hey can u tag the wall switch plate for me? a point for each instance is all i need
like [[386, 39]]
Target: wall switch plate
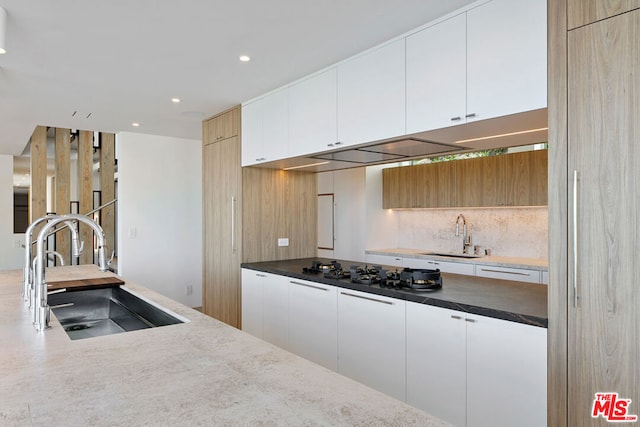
[[188, 290], [283, 241], [132, 232]]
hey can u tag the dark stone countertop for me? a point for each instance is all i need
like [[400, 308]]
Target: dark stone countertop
[[501, 299]]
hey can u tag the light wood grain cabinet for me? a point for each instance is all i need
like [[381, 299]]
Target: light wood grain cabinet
[[583, 12], [518, 179], [222, 207], [594, 303], [222, 126]]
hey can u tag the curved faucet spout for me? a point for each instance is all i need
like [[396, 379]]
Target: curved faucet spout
[[41, 308]]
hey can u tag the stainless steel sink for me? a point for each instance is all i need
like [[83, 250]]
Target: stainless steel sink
[[452, 254], [97, 312]]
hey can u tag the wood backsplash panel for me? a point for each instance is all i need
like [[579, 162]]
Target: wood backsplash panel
[[278, 204]]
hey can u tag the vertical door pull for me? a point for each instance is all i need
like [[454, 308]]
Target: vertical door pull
[[575, 238]]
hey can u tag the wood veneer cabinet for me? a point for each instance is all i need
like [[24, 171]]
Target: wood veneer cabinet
[[222, 214], [222, 126], [245, 212], [583, 12], [518, 179], [594, 296]]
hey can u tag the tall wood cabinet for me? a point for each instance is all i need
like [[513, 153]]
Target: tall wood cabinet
[[594, 207], [245, 213], [222, 214]]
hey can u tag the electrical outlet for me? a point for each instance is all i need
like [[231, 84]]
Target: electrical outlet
[[132, 232], [283, 241], [188, 290], [17, 243]]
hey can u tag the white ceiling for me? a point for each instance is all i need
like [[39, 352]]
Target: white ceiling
[[121, 61]]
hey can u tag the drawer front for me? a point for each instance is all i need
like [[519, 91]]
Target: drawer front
[[516, 274]]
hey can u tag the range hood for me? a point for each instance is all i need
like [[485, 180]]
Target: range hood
[[390, 151], [514, 130]]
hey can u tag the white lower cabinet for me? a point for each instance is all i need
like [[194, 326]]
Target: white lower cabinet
[[443, 266], [313, 322], [265, 305], [474, 370], [508, 273], [371, 341], [388, 260], [436, 357]]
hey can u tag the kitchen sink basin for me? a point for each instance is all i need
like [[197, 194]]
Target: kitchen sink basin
[[106, 311], [452, 254]]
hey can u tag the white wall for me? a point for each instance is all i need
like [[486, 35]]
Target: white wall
[[11, 257], [350, 212], [160, 214]]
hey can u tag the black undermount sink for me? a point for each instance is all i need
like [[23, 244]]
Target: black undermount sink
[[106, 311]]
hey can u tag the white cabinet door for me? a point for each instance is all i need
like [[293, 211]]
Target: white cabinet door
[[313, 322], [436, 361], [506, 373], [371, 341], [265, 306], [508, 273], [443, 266], [436, 76], [252, 133], [275, 125], [371, 95], [313, 114], [265, 128], [275, 310], [506, 58], [252, 287]]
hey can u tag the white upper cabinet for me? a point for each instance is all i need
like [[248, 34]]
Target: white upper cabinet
[[488, 62], [251, 133], [312, 114], [506, 58], [436, 76], [371, 95], [265, 128]]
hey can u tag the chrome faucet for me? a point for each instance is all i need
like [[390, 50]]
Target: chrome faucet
[[27, 273], [41, 310], [466, 238]]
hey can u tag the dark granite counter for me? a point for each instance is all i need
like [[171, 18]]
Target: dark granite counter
[[501, 299]]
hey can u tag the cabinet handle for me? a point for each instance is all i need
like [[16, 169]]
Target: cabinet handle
[[338, 143], [470, 320], [456, 118], [233, 224], [261, 275], [517, 273], [367, 298], [330, 145], [309, 286], [470, 115], [456, 317], [575, 238]]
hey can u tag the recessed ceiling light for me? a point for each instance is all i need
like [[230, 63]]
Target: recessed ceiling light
[[244, 58], [176, 100], [135, 124]]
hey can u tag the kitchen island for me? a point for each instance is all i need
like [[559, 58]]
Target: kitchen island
[[202, 372]]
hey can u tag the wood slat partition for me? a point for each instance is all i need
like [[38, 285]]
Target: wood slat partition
[[107, 187], [38, 188], [63, 188], [85, 191]]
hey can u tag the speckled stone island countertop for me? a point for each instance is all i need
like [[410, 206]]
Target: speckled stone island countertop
[[502, 299], [198, 373]]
